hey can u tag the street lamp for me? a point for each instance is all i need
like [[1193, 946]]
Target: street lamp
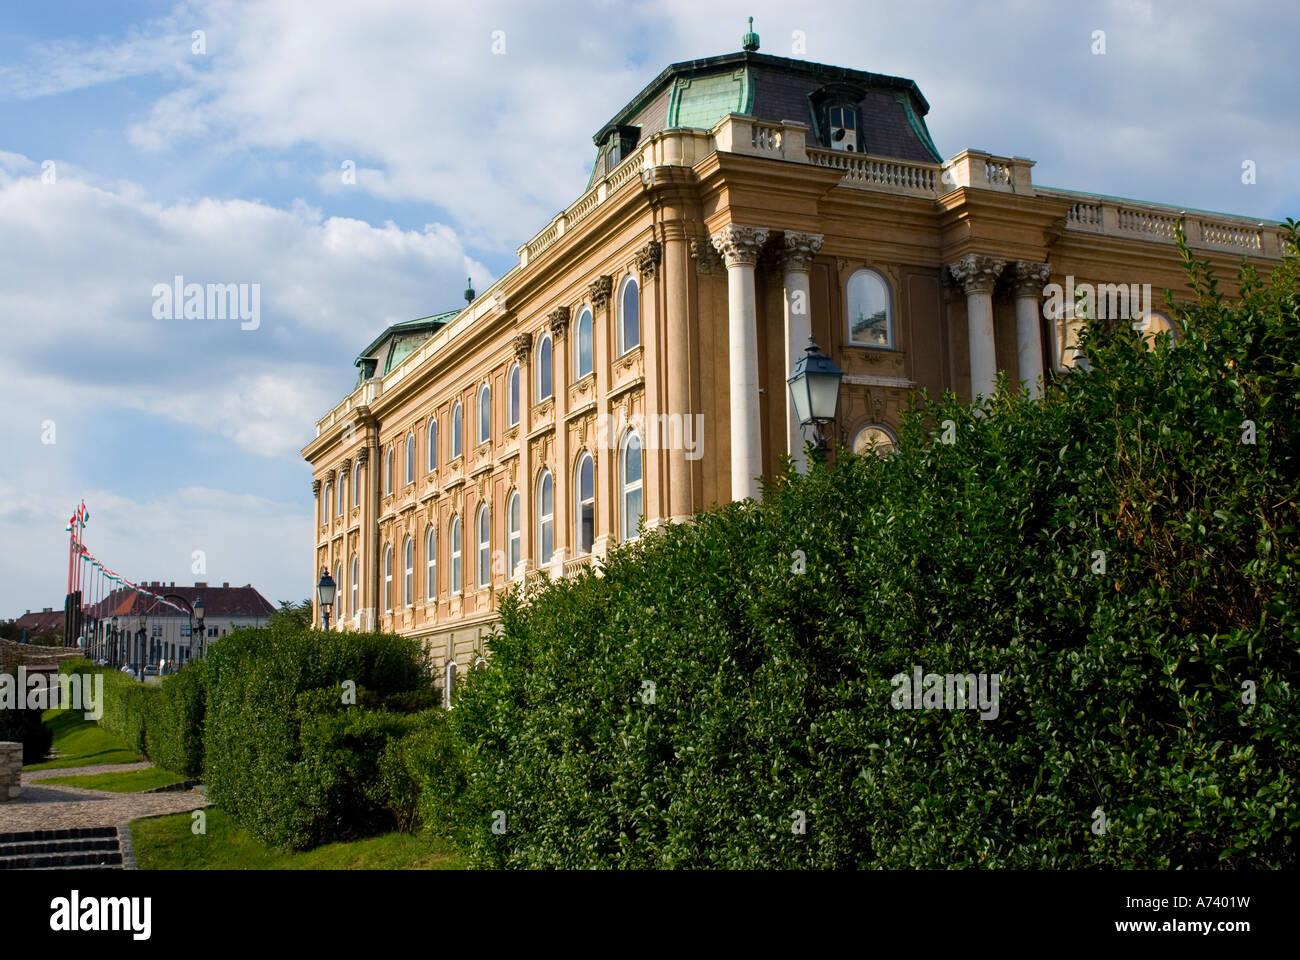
[[815, 391], [198, 625], [112, 632], [141, 638], [325, 592]]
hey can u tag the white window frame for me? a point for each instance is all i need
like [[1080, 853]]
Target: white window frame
[[584, 313], [623, 345], [354, 586], [388, 579], [431, 563], [545, 520], [584, 458], [408, 572], [410, 457], [513, 536], [484, 418], [628, 532], [457, 430], [545, 347], [454, 545], [512, 391], [891, 337], [484, 555], [431, 437]]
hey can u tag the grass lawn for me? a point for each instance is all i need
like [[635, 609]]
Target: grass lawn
[[168, 843], [81, 743], [132, 781]]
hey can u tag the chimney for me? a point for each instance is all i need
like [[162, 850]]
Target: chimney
[[200, 586], [226, 585], [48, 610]]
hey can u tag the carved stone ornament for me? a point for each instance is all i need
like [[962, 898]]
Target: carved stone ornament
[[648, 258], [977, 273], [599, 291], [707, 261], [797, 250], [523, 345], [315, 488], [559, 321], [739, 245], [363, 456], [1030, 278], [346, 465]]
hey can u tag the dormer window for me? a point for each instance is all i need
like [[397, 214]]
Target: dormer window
[[843, 128]]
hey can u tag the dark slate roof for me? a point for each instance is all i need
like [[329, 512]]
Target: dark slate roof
[[222, 601], [777, 88], [421, 327]]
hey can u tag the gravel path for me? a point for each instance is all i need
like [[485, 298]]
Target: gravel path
[[56, 807]]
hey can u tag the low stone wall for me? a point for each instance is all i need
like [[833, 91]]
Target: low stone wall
[[11, 771]]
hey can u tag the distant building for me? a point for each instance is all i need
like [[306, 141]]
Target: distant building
[[167, 631], [30, 625]]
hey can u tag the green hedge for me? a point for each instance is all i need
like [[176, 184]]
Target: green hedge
[[175, 719], [284, 754], [1154, 695]]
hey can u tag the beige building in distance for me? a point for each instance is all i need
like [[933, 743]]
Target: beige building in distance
[[631, 368]]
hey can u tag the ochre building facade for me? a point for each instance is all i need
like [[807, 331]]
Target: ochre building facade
[[631, 369]]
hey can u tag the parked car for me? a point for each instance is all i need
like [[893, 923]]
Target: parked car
[[151, 669]]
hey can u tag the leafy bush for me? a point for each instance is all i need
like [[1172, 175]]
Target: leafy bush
[[1118, 552], [174, 725], [284, 754]]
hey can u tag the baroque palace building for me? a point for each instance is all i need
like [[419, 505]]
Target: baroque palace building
[[631, 368]]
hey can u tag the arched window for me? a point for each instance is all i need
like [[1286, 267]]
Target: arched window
[[410, 457], [340, 494], [875, 439], [629, 316], [545, 518], [513, 378], [544, 388], [484, 526], [870, 310], [457, 429], [1154, 325], [484, 413], [408, 571], [325, 503], [388, 578], [843, 133], [431, 563], [356, 485], [512, 531], [630, 480], [583, 344], [456, 583], [354, 585], [431, 455], [585, 502], [388, 471]]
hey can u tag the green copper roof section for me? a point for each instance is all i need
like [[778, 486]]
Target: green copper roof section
[[703, 101], [918, 125], [421, 328]]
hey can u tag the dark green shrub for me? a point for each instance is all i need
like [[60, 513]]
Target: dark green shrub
[[174, 727], [1157, 689], [283, 753]]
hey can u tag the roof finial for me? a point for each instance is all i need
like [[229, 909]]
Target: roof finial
[[749, 42], [469, 290]]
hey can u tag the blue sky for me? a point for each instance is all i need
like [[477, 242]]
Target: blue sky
[[224, 166]]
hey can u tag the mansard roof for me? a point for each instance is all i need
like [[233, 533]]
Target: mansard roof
[[699, 93]]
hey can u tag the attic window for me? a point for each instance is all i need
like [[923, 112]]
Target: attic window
[[842, 128]]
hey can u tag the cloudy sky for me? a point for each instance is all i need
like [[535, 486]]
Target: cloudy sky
[[132, 152]]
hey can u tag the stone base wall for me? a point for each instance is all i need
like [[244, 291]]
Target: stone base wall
[[11, 766]]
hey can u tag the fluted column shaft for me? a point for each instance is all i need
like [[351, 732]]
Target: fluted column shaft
[[977, 274], [798, 250], [1029, 281]]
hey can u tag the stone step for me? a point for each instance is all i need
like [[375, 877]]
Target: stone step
[[69, 833], [96, 845], [37, 861]]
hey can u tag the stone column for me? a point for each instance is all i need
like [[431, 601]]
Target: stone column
[[371, 570], [605, 450], [658, 433], [315, 550], [559, 323], [977, 274], [739, 247], [677, 368], [523, 346], [1029, 281], [797, 253]]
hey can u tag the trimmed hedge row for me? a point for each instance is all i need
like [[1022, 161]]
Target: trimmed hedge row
[[297, 735], [1123, 554]]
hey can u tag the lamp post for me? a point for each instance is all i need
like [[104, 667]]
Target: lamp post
[[815, 391], [115, 655], [325, 593], [141, 637], [195, 610], [198, 625]]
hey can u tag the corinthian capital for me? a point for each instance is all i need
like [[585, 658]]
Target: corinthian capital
[[647, 259], [798, 249], [523, 345], [315, 488], [707, 261], [977, 273], [559, 320], [739, 245], [1029, 277], [599, 290]]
